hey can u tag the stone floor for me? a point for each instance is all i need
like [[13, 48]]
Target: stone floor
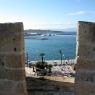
[[41, 86]]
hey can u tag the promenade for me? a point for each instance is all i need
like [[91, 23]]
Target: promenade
[[58, 69]]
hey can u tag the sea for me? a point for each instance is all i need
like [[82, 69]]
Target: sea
[[50, 45]]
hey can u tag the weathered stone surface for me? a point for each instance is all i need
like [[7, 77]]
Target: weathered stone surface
[[36, 86], [86, 51], [85, 77], [11, 37], [85, 64], [84, 89], [85, 67], [12, 72], [10, 63], [86, 32], [10, 87]]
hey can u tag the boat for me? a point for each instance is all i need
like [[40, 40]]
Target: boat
[[44, 39]]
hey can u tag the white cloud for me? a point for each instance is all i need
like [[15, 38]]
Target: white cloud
[[78, 13]]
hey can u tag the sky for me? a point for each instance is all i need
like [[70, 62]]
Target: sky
[[47, 14]]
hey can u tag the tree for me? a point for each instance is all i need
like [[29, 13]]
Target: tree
[[26, 62], [41, 65], [61, 54], [49, 66], [41, 68], [42, 57]]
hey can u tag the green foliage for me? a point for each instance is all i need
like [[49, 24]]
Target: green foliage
[[42, 54], [49, 68], [41, 65], [43, 68]]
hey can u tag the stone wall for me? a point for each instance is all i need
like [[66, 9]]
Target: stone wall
[[12, 72], [85, 67]]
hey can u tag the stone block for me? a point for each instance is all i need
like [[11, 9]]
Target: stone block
[[86, 32], [12, 74], [85, 77], [85, 67], [85, 64], [84, 89], [12, 71], [9, 87], [12, 60], [86, 51]]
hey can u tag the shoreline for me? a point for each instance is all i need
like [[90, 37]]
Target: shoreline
[[73, 61], [58, 69]]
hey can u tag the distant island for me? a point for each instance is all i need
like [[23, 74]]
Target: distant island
[[33, 32]]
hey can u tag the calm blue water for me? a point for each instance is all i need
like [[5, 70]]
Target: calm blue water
[[51, 47]]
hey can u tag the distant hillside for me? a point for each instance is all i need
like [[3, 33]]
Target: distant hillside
[[70, 29], [40, 32], [43, 31]]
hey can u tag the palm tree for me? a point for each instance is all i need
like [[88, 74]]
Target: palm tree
[[41, 65], [27, 58], [61, 54], [42, 57]]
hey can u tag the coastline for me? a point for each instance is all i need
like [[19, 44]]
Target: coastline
[[70, 61], [58, 69]]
